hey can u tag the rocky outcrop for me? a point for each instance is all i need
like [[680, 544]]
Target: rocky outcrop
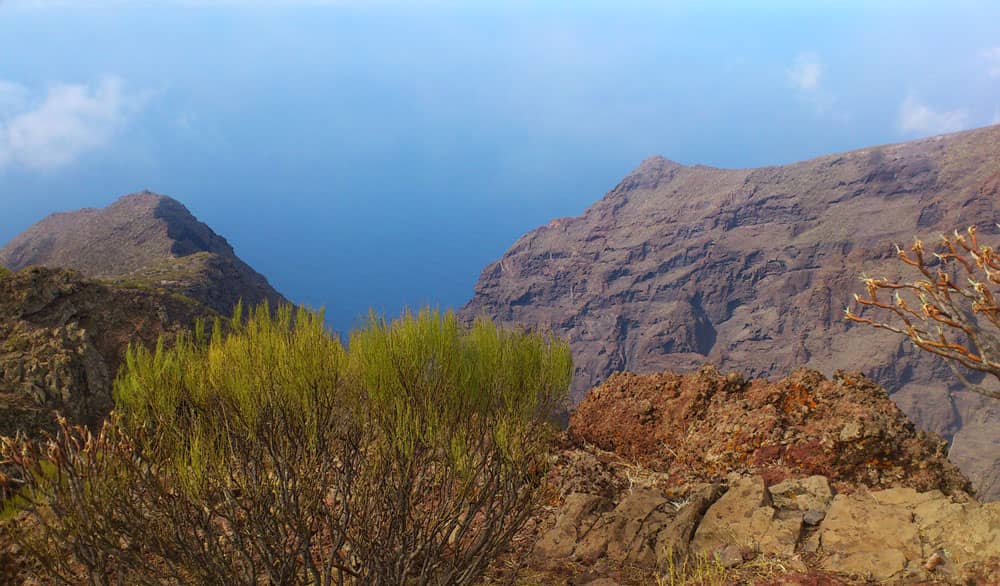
[[703, 426], [146, 239], [62, 338], [645, 529], [750, 269], [747, 518], [678, 478], [793, 532]]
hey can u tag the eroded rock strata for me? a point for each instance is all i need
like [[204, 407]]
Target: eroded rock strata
[[750, 269], [62, 339]]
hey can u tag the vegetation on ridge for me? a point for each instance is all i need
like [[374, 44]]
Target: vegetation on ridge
[[266, 451]]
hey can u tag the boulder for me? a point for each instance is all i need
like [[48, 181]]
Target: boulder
[[577, 515], [646, 529], [862, 536], [675, 536], [887, 533], [744, 517], [803, 494], [628, 534]]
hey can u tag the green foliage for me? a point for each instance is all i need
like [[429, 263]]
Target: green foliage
[[427, 379], [264, 450], [151, 286], [4, 272], [694, 570], [206, 392]]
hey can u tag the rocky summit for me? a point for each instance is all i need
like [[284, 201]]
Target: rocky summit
[[148, 239], [750, 269]]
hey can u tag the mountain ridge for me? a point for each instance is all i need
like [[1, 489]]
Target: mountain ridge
[[750, 269], [143, 237]]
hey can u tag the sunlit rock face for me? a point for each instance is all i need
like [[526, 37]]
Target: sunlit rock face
[[750, 269]]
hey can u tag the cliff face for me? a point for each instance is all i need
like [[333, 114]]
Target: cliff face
[[62, 339], [143, 238], [750, 269]]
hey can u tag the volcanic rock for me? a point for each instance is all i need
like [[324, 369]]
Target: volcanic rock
[[143, 238], [801, 481], [62, 339], [751, 269], [704, 426], [744, 517]]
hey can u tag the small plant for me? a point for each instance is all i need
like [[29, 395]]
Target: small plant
[[949, 310], [4, 272], [693, 570], [264, 452]]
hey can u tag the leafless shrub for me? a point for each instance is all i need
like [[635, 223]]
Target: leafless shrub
[[949, 310]]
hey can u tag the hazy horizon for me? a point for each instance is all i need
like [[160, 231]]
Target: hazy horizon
[[382, 153]]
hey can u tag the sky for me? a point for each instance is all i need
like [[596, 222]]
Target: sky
[[380, 153]]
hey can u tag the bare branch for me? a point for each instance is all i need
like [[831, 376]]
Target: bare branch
[[960, 323]]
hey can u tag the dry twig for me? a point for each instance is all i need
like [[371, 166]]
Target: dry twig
[[950, 310]]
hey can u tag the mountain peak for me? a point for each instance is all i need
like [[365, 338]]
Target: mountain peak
[[657, 162], [655, 166], [750, 269], [142, 236]]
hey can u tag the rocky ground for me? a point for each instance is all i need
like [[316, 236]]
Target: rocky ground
[[698, 427], [710, 479]]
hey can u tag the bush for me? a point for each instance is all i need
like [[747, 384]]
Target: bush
[[271, 454], [950, 309]]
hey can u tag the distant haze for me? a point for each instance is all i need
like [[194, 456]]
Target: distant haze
[[379, 154]]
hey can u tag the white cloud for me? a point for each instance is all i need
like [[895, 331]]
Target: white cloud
[[915, 117], [806, 73], [12, 98], [806, 77], [992, 58], [71, 120]]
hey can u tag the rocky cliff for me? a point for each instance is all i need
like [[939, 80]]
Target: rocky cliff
[[143, 238], [751, 268], [62, 339]]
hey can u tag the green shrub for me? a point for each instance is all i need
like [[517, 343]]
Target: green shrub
[[266, 452], [4, 272]]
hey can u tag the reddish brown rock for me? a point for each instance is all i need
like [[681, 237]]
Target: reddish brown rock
[[704, 426]]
